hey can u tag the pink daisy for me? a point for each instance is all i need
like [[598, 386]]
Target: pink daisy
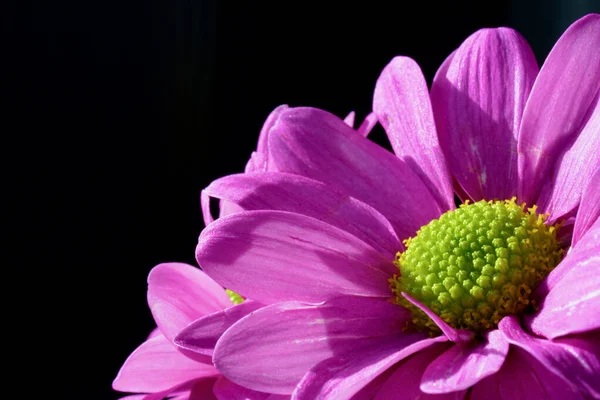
[[178, 295], [479, 301]]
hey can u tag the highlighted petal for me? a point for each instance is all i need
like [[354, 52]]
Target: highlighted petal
[[271, 349], [401, 103], [179, 294], [201, 335], [465, 364], [478, 97], [558, 106], [349, 120], [274, 256], [318, 145], [404, 383], [294, 193], [367, 125], [573, 360], [589, 210], [156, 366]]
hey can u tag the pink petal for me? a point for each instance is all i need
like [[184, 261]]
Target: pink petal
[[573, 170], [558, 105], [271, 349], [401, 103], [263, 139], [367, 125], [224, 389], [179, 294], [478, 97], [294, 193], [522, 375], [274, 256], [156, 365], [574, 360], [345, 375], [573, 294], [589, 210], [203, 390], [318, 145], [201, 335], [404, 383], [454, 335], [465, 364], [349, 120]]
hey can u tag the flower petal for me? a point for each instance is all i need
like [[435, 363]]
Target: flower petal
[[401, 103], [454, 335], [367, 125], [404, 382], [574, 360], [589, 210], [224, 389], [318, 145], [202, 390], [345, 375], [349, 120], [274, 256], [179, 294], [465, 364], [573, 294], [201, 335], [478, 97], [271, 349], [156, 365], [294, 193], [558, 105], [522, 375]]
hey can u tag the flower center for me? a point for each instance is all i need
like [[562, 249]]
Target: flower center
[[476, 264], [234, 297]]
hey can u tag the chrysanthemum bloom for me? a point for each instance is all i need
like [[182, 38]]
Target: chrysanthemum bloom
[[495, 299], [180, 295]]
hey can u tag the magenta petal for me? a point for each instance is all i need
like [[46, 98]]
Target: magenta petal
[[201, 335], [589, 210], [465, 364], [347, 374], [454, 335], [367, 125], [349, 120], [271, 349], [401, 103], [294, 193], [156, 365], [224, 389], [318, 145], [575, 361], [202, 390], [522, 376], [404, 382], [478, 97], [274, 256], [263, 139], [572, 303], [179, 293], [558, 105]]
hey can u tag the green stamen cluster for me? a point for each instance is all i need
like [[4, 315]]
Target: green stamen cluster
[[234, 297], [476, 264]]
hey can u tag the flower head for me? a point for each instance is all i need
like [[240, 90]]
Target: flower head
[[376, 285]]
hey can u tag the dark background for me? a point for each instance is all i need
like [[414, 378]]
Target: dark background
[[131, 108]]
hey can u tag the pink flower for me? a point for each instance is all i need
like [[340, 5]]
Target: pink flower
[[180, 295], [319, 235]]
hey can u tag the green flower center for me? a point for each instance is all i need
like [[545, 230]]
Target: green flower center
[[234, 297], [476, 264]]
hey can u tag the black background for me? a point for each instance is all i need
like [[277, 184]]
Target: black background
[[131, 108]]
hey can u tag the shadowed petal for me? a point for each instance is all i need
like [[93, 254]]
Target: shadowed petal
[[478, 97], [589, 210], [274, 256], [558, 105], [574, 360], [318, 145], [224, 389], [522, 376], [201, 335], [404, 382], [347, 374], [271, 349], [401, 103], [294, 193], [156, 365], [179, 293], [465, 364]]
